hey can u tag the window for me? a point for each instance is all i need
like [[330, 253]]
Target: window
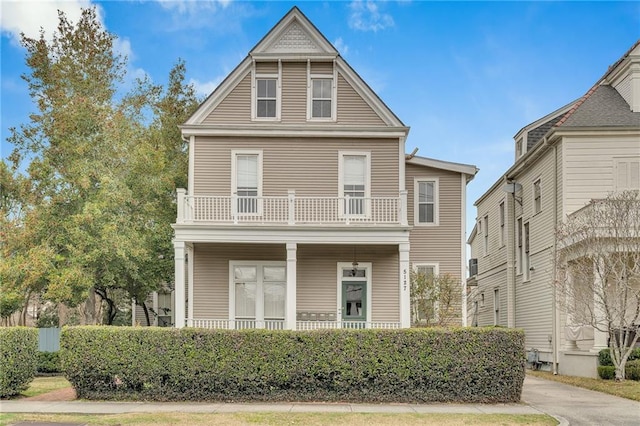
[[519, 148], [496, 306], [486, 235], [482, 300], [519, 260], [426, 202], [164, 311], [537, 199], [526, 262], [427, 305], [627, 172], [258, 291], [266, 97], [502, 224], [354, 174], [247, 180], [321, 97]]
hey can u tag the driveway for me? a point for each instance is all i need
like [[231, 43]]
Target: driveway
[[577, 406]]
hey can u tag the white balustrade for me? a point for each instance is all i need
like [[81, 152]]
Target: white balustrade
[[243, 324], [291, 210]]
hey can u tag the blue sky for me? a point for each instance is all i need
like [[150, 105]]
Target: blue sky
[[465, 76]]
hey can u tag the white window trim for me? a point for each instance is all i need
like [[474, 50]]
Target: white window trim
[[537, 180], [526, 258], [368, 279], [334, 93], [436, 197], [502, 221], [234, 176], [367, 184], [254, 93], [485, 234], [259, 286], [616, 170]]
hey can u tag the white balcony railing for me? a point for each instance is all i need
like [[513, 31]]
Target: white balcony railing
[[243, 324], [291, 210]]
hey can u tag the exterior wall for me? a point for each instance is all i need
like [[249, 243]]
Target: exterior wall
[[351, 108], [310, 166], [589, 166], [441, 244], [317, 276]]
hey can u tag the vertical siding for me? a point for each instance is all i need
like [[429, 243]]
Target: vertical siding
[[294, 92], [236, 107], [352, 109], [588, 166], [317, 283], [309, 166]]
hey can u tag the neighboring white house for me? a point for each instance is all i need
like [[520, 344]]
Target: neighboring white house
[[580, 152]]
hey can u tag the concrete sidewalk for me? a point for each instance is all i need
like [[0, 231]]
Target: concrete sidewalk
[[91, 407]]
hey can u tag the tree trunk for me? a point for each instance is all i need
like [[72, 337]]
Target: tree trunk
[[146, 313], [90, 308]]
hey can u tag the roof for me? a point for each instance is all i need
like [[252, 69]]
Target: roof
[[602, 106], [467, 169]]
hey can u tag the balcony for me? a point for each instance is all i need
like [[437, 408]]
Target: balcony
[[291, 210], [243, 324]]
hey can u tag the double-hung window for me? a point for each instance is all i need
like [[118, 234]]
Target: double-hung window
[[354, 182], [426, 201], [321, 97], [486, 235], [537, 197], [428, 300], [502, 217], [527, 259], [266, 97], [247, 180]]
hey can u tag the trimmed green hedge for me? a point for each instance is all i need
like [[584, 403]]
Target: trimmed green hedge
[[18, 359], [414, 365], [604, 356], [48, 362]]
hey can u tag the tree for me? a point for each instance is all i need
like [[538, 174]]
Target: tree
[[433, 298], [598, 270], [102, 172]]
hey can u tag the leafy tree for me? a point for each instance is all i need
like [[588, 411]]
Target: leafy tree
[[598, 271], [102, 174], [433, 299]]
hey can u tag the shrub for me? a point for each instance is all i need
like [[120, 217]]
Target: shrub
[[607, 372], [604, 356], [48, 362], [413, 365], [18, 359], [632, 370]]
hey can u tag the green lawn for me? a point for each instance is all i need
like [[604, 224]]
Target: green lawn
[[629, 389], [41, 385], [307, 419]]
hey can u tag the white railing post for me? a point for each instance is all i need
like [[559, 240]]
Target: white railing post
[[181, 194], [292, 206], [234, 208], [347, 208], [402, 208]]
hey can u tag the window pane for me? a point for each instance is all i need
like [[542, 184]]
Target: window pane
[[245, 300], [321, 109], [274, 273], [266, 88], [429, 271], [354, 170], [245, 273], [426, 192], [274, 300], [425, 213], [247, 171], [266, 108]]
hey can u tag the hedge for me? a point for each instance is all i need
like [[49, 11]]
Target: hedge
[[604, 356], [414, 365], [18, 359], [48, 362]]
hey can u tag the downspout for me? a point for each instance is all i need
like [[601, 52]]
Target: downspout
[[555, 320]]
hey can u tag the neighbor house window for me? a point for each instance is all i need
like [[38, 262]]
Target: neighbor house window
[[321, 97], [354, 171], [520, 253], [426, 201], [496, 307], [428, 310], [502, 217], [537, 197], [486, 235], [247, 180], [527, 259]]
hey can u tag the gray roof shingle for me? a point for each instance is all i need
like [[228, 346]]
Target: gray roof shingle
[[603, 107]]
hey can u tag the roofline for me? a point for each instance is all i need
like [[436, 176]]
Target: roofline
[[541, 120], [467, 169]]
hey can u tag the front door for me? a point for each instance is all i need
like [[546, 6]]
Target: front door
[[354, 300]]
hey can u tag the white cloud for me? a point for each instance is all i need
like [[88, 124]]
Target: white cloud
[[204, 88], [342, 48], [28, 16], [366, 16], [193, 6]]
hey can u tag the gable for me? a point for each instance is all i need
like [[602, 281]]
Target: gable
[[293, 53]]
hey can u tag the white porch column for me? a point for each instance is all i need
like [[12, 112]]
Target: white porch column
[[599, 337], [190, 261], [290, 314], [179, 249], [405, 286]]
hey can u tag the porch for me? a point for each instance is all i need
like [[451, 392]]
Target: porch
[[227, 324]]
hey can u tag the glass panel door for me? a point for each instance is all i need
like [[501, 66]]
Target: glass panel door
[[354, 301]]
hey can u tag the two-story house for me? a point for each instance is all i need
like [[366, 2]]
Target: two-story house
[[580, 152], [303, 210]]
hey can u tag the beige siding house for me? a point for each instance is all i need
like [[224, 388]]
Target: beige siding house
[[581, 152], [302, 209]]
